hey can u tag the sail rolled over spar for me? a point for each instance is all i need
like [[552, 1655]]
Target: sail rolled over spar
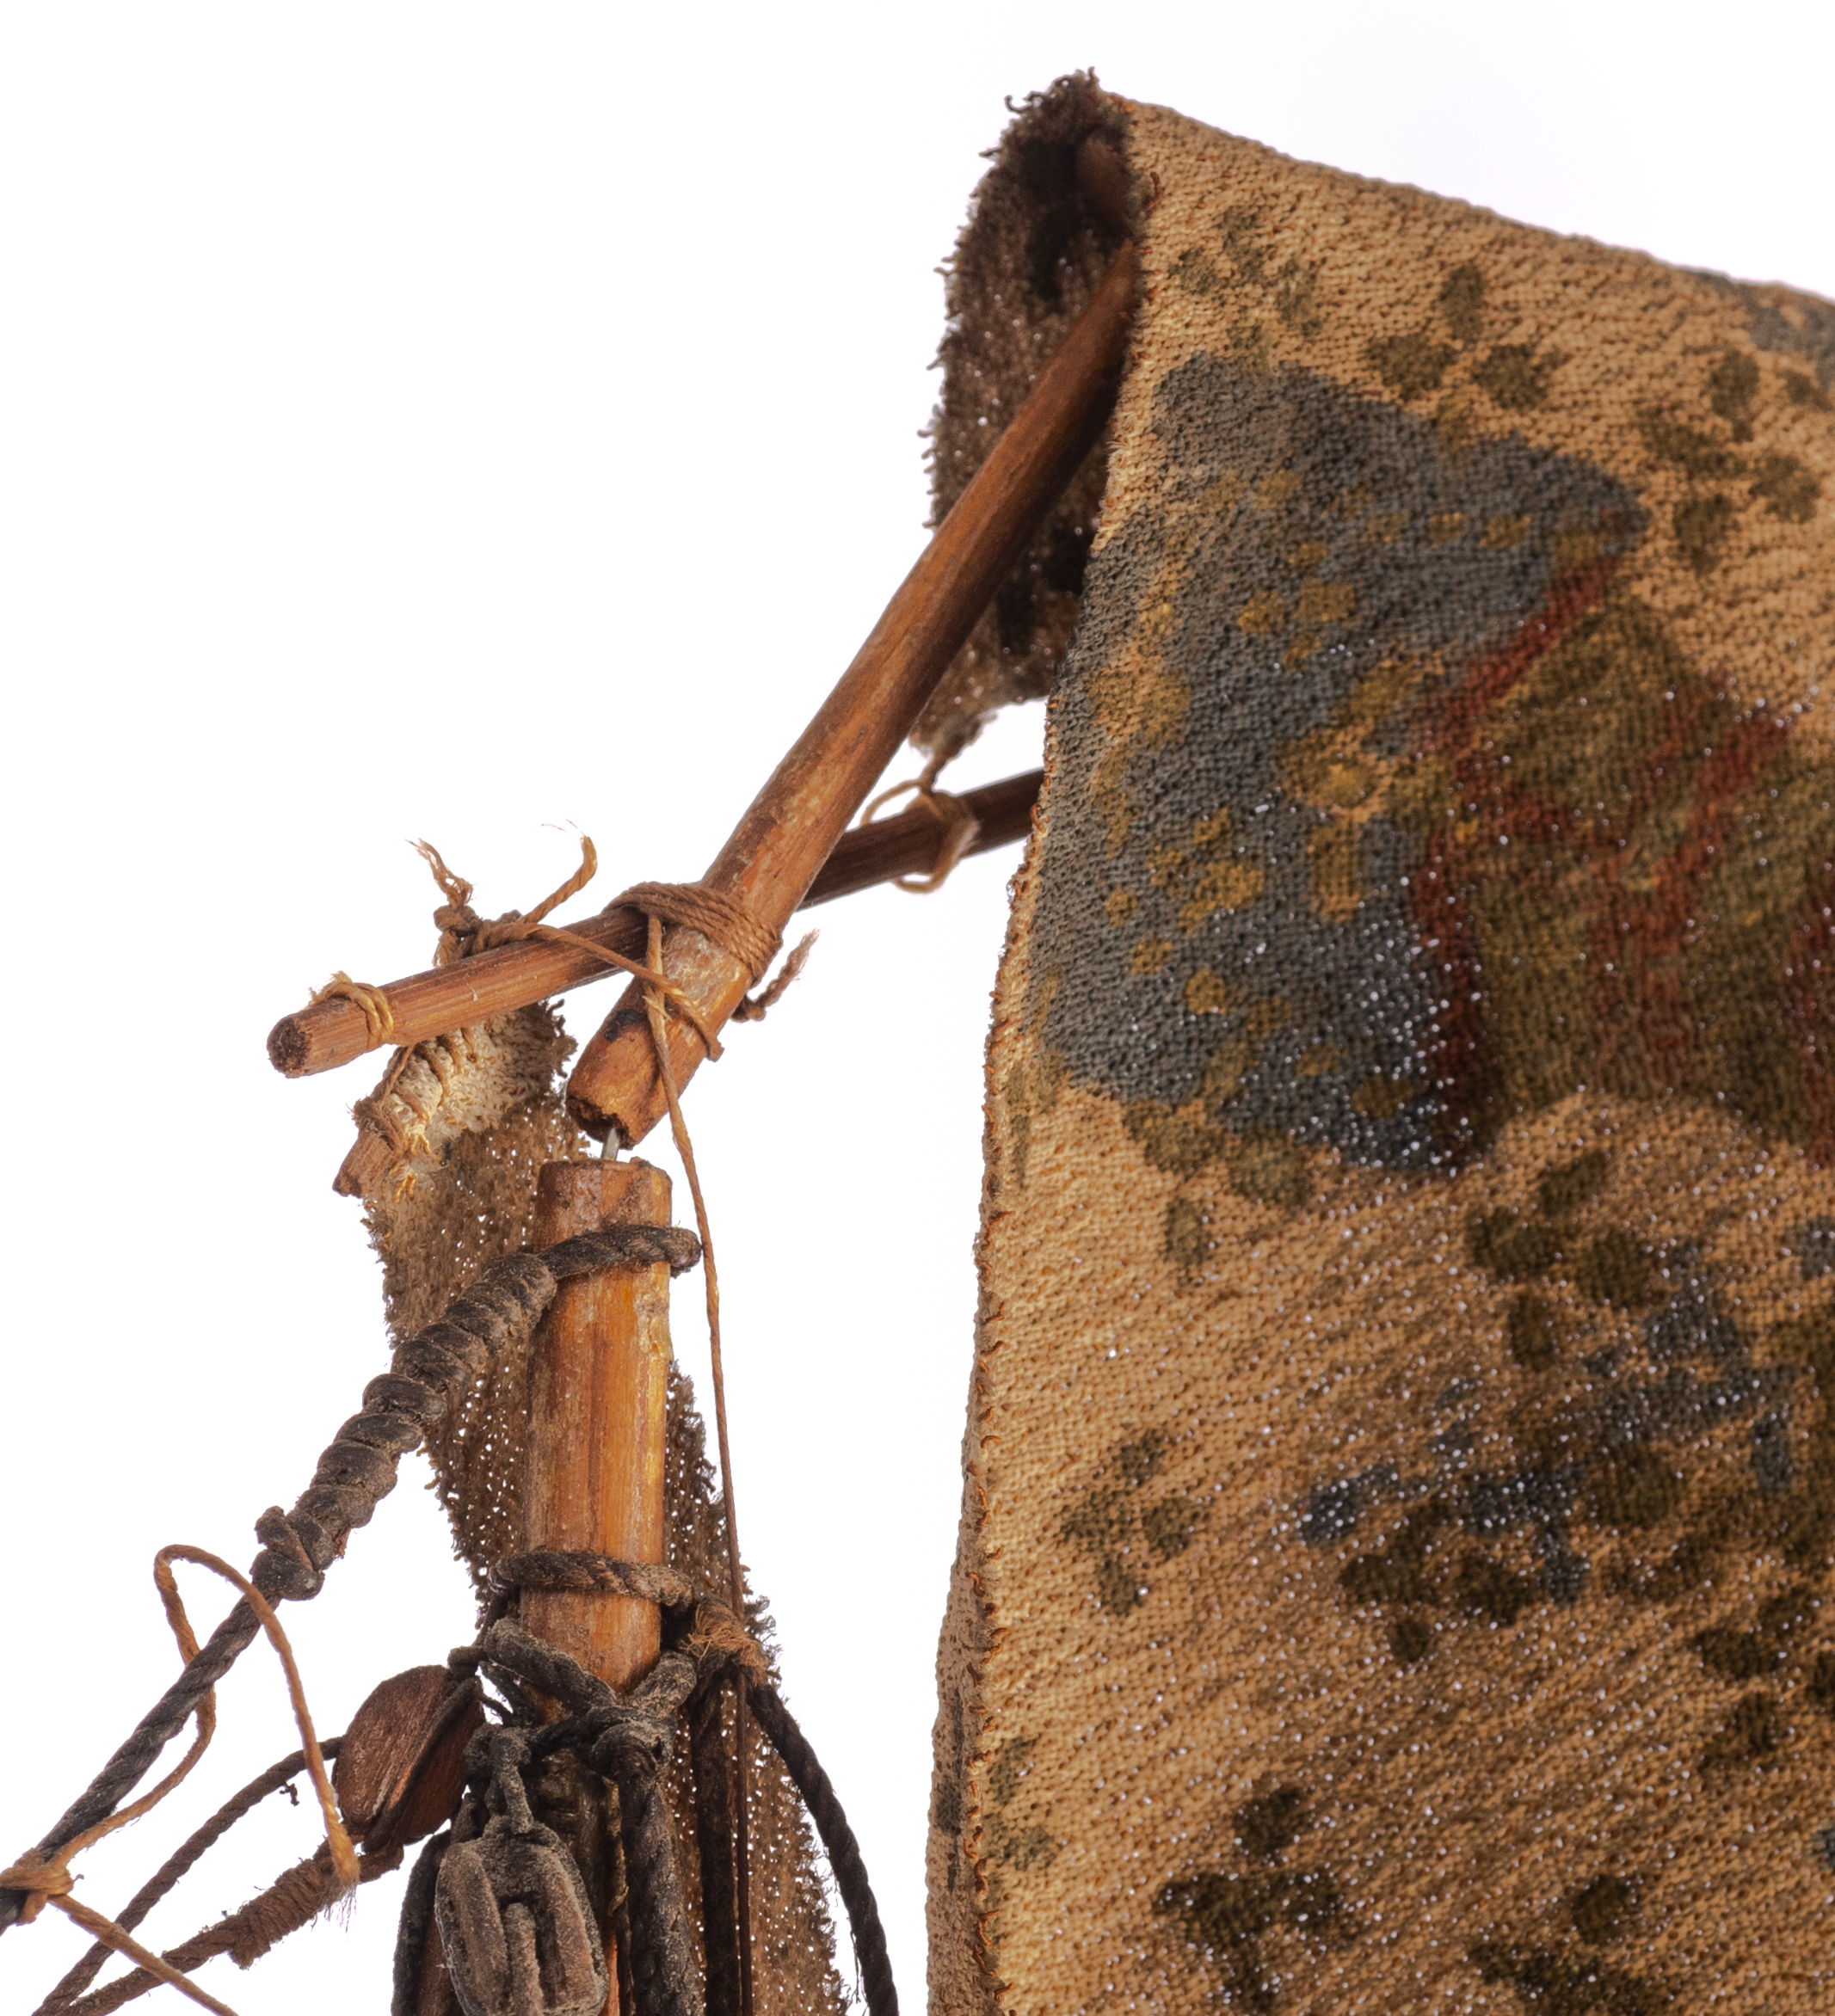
[[1397, 1518], [1397, 1527]]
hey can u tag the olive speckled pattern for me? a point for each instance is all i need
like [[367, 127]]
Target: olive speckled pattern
[[1311, 539], [1398, 1528]]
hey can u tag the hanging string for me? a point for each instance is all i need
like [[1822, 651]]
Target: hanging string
[[653, 1001]]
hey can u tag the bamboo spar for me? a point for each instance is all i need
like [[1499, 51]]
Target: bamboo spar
[[795, 827], [444, 997], [785, 836]]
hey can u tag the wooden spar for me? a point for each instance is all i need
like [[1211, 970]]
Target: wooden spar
[[593, 1456], [943, 598], [785, 836], [445, 997]]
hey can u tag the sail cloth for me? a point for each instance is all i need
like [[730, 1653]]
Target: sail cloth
[[1394, 1566]]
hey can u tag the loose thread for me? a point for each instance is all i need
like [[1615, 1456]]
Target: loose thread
[[176, 1868], [48, 1879], [343, 1855], [463, 934], [742, 1860]]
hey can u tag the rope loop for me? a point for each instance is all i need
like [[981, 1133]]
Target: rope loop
[[47, 1878], [722, 919], [711, 1634], [377, 1012], [960, 827]]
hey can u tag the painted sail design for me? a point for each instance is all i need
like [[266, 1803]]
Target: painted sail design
[[1400, 1501]]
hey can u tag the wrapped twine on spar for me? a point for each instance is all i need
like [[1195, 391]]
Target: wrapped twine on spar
[[1401, 1494]]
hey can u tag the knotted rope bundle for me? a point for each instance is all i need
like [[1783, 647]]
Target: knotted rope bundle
[[630, 1740]]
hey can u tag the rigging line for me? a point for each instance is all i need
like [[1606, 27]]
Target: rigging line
[[653, 1001]]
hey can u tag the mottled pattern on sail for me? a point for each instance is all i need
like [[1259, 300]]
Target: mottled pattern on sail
[[1394, 1569]]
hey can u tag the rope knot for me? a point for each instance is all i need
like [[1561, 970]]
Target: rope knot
[[41, 1877], [958, 822]]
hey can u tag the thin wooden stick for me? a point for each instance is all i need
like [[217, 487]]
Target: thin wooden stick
[[444, 997], [780, 845], [906, 844]]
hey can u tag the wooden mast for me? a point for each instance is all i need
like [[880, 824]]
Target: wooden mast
[[592, 1482], [594, 1458]]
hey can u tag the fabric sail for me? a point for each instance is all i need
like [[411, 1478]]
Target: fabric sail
[[1399, 1470]]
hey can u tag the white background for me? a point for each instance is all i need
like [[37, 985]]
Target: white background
[[460, 420]]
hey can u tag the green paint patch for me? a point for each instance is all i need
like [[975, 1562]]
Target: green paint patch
[[1733, 391], [1179, 1142], [1516, 378], [1488, 1589], [1411, 1639], [1789, 487], [1397, 1572], [1738, 1655], [1618, 1270], [1170, 1525], [1512, 1248], [1574, 1184], [1140, 1460], [1604, 1911], [1529, 1330], [1267, 1168], [1753, 1733], [1410, 365], [1187, 1245], [1632, 1489], [1700, 454], [1702, 526], [1462, 302]]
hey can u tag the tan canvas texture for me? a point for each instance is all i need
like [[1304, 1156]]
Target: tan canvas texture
[[1400, 1477], [473, 1117]]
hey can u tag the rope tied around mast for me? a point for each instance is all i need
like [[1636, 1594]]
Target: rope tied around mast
[[708, 1641]]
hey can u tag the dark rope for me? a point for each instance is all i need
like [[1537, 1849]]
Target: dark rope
[[594, 1575], [295, 1898], [837, 1838], [428, 1373], [629, 1740], [176, 1867], [417, 1913], [713, 1843]]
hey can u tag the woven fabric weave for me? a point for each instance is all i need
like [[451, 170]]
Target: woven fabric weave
[[480, 1113], [1400, 1462]]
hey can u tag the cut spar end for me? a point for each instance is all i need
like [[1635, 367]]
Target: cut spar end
[[289, 1048]]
